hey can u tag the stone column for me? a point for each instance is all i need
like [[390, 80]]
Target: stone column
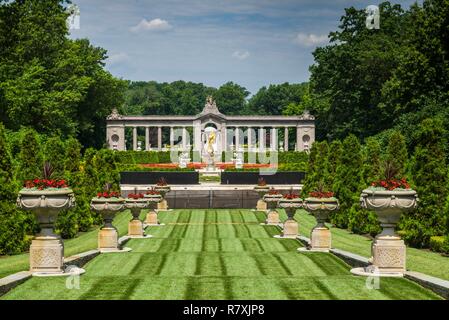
[[159, 138], [184, 137], [286, 139], [261, 139], [134, 138], [197, 144], [147, 138], [172, 137], [298, 139], [273, 142], [237, 138], [224, 135], [250, 137]]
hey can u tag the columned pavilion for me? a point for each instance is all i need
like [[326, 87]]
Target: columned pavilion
[[241, 133]]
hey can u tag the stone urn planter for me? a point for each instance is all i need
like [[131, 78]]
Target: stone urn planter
[[261, 191], [388, 250], [47, 248], [271, 200], [163, 190], [320, 236], [135, 226], [290, 225], [108, 236], [153, 199]]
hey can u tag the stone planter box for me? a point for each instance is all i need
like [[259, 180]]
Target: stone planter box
[[163, 190], [261, 191], [388, 250], [153, 200], [108, 235], [152, 177], [290, 225], [47, 249], [135, 226], [321, 208], [271, 201]]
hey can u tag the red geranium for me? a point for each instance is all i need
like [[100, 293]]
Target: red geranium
[[291, 196], [152, 192], [391, 184], [272, 191], [42, 184], [321, 194], [105, 194], [135, 196]]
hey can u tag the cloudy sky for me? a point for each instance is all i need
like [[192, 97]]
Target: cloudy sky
[[251, 42]]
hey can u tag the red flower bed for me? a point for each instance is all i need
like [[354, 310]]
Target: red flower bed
[[135, 196], [291, 196], [391, 184], [42, 184], [105, 194], [273, 191], [152, 192], [319, 194]]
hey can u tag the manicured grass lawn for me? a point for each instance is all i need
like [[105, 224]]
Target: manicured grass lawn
[[84, 242], [216, 254], [424, 261]]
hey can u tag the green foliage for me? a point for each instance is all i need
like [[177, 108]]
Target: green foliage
[[318, 169], [13, 229], [72, 157], [348, 180], [430, 178], [396, 156], [7, 183], [372, 164], [231, 98], [54, 153], [30, 157]]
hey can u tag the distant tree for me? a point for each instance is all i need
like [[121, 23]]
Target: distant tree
[[231, 98], [54, 153]]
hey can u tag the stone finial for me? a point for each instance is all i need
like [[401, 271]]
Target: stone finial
[[210, 106], [114, 115], [307, 116]]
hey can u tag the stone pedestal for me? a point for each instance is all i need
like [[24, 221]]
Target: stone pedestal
[[273, 218], [320, 239], [151, 219], [108, 239], [261, 205], [290, 229], [135, 228], [47, 255], [389, 254], [162, 205]]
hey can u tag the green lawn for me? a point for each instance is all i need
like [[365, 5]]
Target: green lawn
[[84, 242], [424, 261], [216, 254]]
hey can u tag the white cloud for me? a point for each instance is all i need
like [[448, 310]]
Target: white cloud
[[153, 25], [117, 58], [241, 55], [310, 40]]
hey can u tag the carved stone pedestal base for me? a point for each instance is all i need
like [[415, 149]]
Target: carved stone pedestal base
[[320, 239], [290, 230], [273, 218], [135, 228], [47, 255], [108, 241], [162, 206], [261, 205], [388, 258], [151, 218]]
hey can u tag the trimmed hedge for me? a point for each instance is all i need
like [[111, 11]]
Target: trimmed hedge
[[439, 244]]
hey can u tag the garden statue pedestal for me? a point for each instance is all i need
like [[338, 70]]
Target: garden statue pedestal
[[153, 200], [388, 249], [47, 248], [290, 206], [135, 226], [261, 204], [108, 235], [163, 190], [320, 237], [271, 201]]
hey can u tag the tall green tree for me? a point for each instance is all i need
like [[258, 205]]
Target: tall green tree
[[30, 156], [429, 173], [348, 180], [231, 98]]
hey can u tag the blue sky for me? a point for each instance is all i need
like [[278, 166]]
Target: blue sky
[[251, 42]]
